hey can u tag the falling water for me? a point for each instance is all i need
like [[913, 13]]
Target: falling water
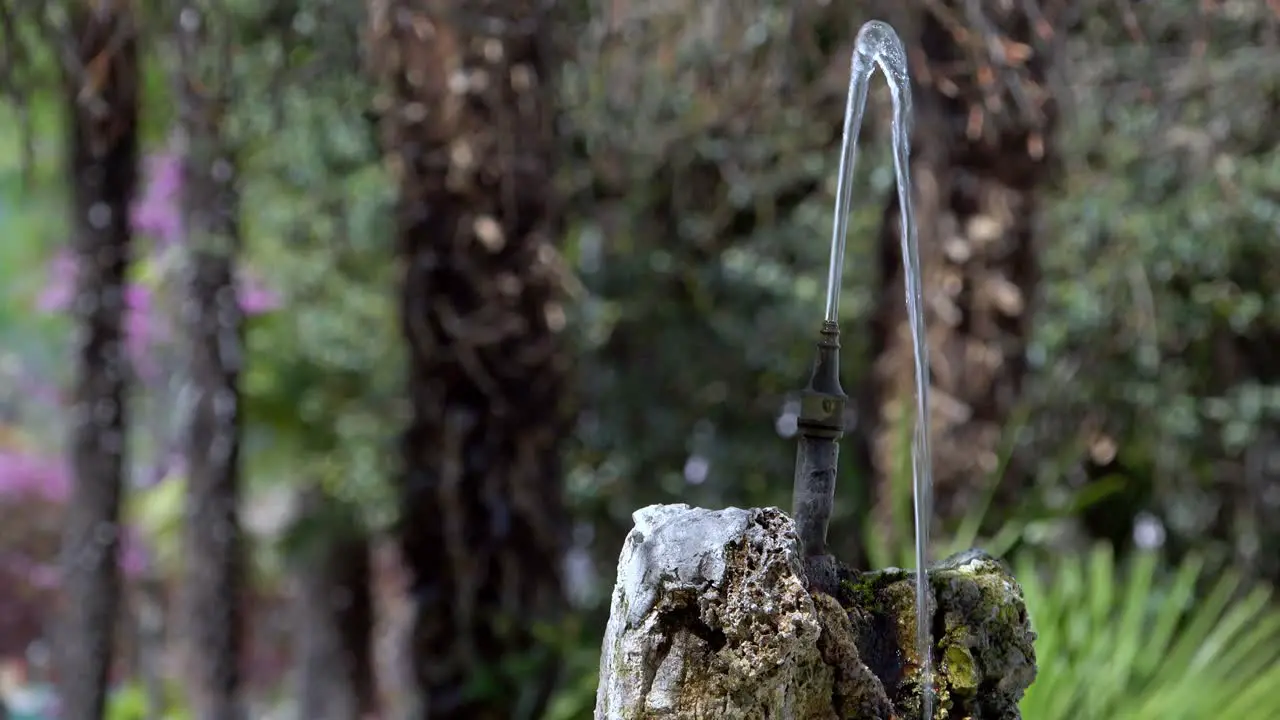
[[879, 45]]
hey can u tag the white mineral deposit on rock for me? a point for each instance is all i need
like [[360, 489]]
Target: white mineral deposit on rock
[[710, 617]]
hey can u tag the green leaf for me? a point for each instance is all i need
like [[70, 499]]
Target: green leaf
[[1134, 644]]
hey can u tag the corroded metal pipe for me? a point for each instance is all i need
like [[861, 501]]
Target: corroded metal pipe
[[820, 426]]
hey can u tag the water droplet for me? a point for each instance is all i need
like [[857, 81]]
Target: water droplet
[[1148, 531], [459, 82], [1036, 355], [99, 215], [490, 233], [222, 171], [304, 23], [787, 425], [414, 112], [189, 19], [493, 50], [555, 317], [579, 575], [696, 470], [39, 654]]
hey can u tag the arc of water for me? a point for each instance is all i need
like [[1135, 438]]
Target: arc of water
[[878, 45]]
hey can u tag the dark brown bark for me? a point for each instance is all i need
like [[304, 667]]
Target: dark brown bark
[[468, 130], [101, 86], [212, 314], [982, 154]]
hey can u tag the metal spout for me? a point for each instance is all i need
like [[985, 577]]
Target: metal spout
[[820, 426]]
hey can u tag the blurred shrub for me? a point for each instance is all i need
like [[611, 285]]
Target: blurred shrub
[[1139, 643], [1154, 351], [700, 185]]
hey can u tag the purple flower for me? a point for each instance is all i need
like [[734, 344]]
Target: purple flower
[[158, 212], [134, 557], [162, 470], [255, 298], [141, 328], [25, 474], [42, 576], [61, 288]]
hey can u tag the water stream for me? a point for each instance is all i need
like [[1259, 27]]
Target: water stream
[[879, 46]]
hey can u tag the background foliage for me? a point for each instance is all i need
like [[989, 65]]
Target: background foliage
[[699, 155]]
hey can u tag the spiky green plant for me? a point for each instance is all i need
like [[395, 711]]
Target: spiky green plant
[[1135, 643]]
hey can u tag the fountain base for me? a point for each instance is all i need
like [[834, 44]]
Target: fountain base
[[822, 573], [711, 618]]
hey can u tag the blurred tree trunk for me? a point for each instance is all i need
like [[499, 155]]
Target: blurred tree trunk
[[982, 155], [210, 205], [101, 84], [334, 615], [468, 130]]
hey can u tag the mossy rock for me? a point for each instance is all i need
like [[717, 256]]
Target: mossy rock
[[983, 643], [713, 618]]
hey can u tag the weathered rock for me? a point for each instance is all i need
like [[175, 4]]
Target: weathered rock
[[711, 619], [983, 648]]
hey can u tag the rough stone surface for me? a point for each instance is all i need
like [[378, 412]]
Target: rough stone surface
[[983, 644], [711, 619]]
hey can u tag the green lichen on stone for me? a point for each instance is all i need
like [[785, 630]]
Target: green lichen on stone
[[982, 615], [958, 666], [857, 592], [983, 653]]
